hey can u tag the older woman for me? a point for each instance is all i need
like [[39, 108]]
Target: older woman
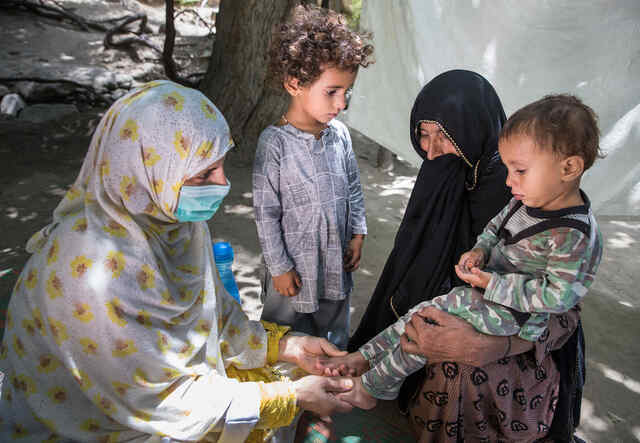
[[455, 124], [475, 387], [119, 328]]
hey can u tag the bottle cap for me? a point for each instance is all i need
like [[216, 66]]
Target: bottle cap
[[222, 251]]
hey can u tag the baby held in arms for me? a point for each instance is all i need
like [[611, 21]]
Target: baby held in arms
[[537, 257]]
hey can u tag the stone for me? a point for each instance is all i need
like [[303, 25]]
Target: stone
[[11, 105], [36, 92], [104, 81], [124, 81], [115, 95], [44, 112]]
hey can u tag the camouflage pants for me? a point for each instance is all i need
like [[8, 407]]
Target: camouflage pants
[[390, 365]]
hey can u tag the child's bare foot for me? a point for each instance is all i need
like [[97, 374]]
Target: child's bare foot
[[352, 365], [358, 396]]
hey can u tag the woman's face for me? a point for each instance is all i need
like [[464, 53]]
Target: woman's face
[[433, 141], [213, 175]]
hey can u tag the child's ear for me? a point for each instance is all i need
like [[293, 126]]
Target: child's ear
[[572, 167], [292, 86]]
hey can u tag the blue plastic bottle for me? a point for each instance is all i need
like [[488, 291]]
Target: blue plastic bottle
[[223, 255]]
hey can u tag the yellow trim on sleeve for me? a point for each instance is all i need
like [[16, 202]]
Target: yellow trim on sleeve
[[274, 333], [277, 405]]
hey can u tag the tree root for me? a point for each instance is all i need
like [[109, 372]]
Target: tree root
[[129, 41]]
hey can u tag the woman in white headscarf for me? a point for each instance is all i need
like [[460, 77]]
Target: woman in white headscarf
[[119, 328]]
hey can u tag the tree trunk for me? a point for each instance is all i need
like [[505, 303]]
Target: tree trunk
[[235, 79]]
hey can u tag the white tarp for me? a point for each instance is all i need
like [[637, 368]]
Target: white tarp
[[526, 49]]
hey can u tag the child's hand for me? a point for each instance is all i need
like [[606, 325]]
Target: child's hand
[[353, 364], [358, 396], [287, 284], [471, 259], [475, 277], [353, 253]]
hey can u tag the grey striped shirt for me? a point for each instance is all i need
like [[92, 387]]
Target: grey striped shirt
[[308, 203]]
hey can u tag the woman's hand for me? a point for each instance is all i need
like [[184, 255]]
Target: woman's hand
[[449, 339], [287, 284], [310, 353], [352, 255], [453, 339], [319, 394]]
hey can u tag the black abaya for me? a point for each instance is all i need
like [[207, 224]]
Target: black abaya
[[454, 197]]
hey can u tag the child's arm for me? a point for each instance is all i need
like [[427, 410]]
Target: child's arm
[[571, 267], [471, 262], [356, 196], [268, 206], [489, 236], [357, 217]]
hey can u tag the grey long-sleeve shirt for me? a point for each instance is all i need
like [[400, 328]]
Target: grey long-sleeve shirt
[[308, 203]]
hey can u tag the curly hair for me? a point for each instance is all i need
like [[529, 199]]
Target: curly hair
[[312, 39], [562, 123]]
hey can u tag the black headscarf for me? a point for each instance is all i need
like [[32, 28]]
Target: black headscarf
[[453, 198]]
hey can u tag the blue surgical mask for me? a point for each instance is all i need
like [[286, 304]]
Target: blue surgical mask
[[199, 203]]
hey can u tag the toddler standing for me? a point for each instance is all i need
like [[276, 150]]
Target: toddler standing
[[307, 197]]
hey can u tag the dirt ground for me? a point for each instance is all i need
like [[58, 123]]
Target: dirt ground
[[38, 162]]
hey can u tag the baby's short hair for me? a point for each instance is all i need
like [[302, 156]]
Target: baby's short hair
[[559, 122], [311, 39]]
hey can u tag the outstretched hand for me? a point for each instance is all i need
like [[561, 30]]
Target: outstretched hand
[[320, 394], [310, 353]]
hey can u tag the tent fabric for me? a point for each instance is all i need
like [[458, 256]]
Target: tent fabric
[[526, 49]]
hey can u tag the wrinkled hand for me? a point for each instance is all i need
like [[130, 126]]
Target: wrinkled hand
[[443, 337], [310, 353], [352, 255], [353, 364], [319, 394], [475, 277], [287, 284]]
